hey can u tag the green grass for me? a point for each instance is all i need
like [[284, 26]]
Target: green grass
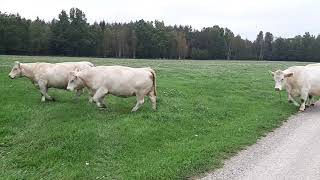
[[207, 111]]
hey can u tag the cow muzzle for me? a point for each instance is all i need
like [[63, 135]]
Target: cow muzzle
[[277, 89], [69, 88]]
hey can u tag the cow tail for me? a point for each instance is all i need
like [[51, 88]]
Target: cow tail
[[154, 81]]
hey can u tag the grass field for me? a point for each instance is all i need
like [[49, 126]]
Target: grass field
[[207, 111]]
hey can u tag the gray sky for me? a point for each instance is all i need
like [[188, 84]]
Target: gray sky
[[284, 18]]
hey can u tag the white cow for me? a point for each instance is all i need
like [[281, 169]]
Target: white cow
[[299, 81], [116, 80], [311, 98], [48, 75]]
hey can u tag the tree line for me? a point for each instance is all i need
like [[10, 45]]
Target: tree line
[[72, 35]]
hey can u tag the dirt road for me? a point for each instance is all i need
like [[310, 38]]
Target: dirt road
[[290, 152]]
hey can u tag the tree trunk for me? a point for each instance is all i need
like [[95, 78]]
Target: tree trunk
[[134, 53], [119, 51], [229, 52], [261, 53]]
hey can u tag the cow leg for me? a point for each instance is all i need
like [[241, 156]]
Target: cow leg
[[99, 97], [91, 93], [100, 103], [79, 92], [153, 99], [44, 91], [291, 100], [310, 100], [304, 98], [140, 101]]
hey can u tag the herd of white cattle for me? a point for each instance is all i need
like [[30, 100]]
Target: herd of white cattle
[[302, 82], [99, 80]]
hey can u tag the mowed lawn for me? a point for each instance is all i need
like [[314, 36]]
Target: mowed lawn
[[207, 111]]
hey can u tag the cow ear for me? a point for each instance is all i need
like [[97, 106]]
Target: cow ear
[[272, 73], [17, 63], [288, 75]]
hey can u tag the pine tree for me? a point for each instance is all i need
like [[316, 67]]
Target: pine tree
[[268, 39], [259, 43]]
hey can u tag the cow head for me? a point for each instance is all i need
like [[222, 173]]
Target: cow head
[[279, 78], [16, 71], [75, 82]]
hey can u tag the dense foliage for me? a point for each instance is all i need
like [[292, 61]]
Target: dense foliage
[[72, 35]]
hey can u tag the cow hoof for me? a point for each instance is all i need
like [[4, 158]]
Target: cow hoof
[[103, 106], [53, 99]]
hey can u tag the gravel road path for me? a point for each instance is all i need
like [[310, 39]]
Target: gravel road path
[[290, 152]]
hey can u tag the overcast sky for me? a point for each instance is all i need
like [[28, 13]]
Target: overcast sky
[[285, 18]]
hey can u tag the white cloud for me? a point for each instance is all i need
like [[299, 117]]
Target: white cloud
[[284, 18]]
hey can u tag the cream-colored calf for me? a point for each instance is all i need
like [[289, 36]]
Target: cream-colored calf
[[116, 80], [48, 75]]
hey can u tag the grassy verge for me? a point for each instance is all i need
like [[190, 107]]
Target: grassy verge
[[208, 110]]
